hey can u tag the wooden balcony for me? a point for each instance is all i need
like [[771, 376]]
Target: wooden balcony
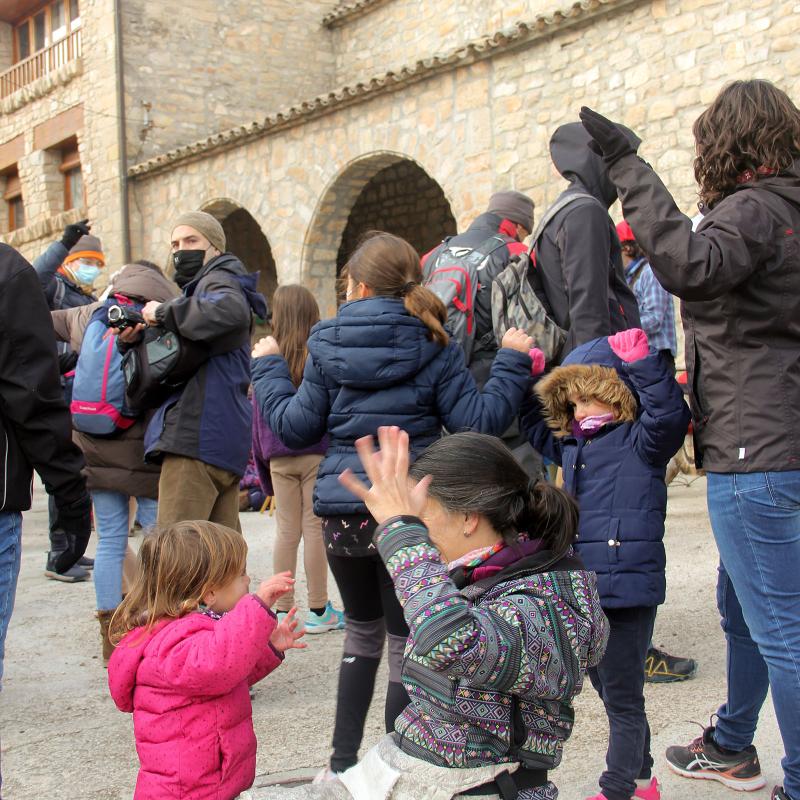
[[40, 63]]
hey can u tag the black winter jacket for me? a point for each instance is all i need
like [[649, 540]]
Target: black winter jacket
[[738, 278], [35, 426], [578, 254]]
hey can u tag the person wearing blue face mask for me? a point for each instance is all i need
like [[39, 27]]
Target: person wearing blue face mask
[[67, 272]]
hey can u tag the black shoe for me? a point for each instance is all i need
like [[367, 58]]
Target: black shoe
[[661, 667], [704, 759], [86, 562], [75, 574], [779, 794]]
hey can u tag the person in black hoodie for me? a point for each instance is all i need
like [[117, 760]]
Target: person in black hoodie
[[576, 248], [738, 277], [35, 429]]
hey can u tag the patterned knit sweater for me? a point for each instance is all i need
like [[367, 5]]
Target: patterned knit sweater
[[492, 669]]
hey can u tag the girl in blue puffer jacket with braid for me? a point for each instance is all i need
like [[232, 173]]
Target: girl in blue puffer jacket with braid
[[385, 359]]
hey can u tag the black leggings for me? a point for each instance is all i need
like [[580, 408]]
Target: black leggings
[[372, 610]]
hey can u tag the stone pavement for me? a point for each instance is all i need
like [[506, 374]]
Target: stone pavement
[[62, 737]]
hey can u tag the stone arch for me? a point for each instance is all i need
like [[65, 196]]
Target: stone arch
[[384, 190], [245, 239]]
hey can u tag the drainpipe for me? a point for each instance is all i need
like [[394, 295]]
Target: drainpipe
[[122, 127]]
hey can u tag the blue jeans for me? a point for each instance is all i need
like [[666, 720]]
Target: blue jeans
[[111, 511], [756, 522], [10, 552]]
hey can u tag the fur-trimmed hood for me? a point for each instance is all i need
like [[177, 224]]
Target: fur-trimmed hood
[[592, 370]]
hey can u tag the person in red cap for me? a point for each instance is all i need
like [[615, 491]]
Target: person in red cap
[[656, 308]]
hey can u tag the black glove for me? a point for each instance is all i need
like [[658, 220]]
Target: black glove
[[67, 362], [75, 520], [73, 233], [608, 139]]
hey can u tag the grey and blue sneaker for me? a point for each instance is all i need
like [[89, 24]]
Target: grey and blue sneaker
[[329, 620]]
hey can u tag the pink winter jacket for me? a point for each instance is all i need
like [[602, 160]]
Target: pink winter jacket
[[186, 682]]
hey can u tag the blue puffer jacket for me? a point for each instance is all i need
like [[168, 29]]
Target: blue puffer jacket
[[617, 476], [371, 365]]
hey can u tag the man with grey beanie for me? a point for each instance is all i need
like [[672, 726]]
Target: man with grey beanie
[[498, 234], [201, 433]]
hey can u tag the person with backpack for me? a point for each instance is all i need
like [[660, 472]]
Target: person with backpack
[[200, 433], [575, 248], [475, 259], [110, 434], [35, 430], [385, 358], [738, 277], [67, 271]]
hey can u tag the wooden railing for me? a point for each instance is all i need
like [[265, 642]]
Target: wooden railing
[[40, 63]]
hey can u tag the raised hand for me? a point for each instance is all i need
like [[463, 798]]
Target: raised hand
[[608, 139], [285, 636], [276, 586], [266, 347], [517, 339], [391, 494], [630, 345]]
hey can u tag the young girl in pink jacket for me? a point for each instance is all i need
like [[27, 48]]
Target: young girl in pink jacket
[[191, 641]]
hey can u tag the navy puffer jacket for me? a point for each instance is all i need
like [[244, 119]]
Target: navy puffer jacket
[[617, 476], [371, 365]]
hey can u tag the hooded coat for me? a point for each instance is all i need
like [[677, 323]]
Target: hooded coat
[[578, 254], [738, 278], [186, 682], [617, 475], [117, 463], [371, 365], [210, 417], [35, 429]]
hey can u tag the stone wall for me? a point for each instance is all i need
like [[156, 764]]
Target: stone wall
[[401, 199], [390, 34], [212, 66], [485, 126]]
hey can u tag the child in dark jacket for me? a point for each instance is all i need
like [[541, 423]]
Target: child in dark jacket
[[612, 416], [385, 358]]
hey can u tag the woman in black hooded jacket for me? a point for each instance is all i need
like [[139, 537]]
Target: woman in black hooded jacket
[[738, 277]]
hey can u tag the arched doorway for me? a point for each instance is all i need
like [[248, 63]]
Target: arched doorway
[[245, 239], [383, 191]]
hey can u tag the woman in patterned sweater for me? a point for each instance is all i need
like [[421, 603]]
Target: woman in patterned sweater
[[504, 618]]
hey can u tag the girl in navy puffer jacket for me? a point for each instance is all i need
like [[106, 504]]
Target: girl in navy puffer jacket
[[612, 416], [385, 359]]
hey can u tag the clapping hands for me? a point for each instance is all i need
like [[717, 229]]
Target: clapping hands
[[286, 636]]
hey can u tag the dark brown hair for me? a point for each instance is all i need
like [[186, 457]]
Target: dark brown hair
[[390, 267], [294, 313], [473, 472], [750, 124]]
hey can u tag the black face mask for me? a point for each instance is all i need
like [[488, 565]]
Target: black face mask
[[187, 264]]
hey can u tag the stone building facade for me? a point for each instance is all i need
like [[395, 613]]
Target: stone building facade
[[300, 125]]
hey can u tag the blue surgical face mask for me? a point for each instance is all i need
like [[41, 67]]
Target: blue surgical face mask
[[86, 273]]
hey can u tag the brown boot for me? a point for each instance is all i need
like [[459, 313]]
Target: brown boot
[[104, 618]]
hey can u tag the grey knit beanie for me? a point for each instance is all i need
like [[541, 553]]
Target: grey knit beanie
[[514, 206], [206, 224]]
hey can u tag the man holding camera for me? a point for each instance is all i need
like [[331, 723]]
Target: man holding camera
[[201, 433]]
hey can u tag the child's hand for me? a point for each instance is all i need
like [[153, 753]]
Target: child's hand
[[276, 586], [537, 361], [630, 345], [285, 636], [266, 347], [516, 339]]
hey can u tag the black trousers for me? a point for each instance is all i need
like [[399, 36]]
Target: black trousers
[[619, 680]]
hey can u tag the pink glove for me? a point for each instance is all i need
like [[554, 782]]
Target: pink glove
[[537, 361], [630, 345]]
